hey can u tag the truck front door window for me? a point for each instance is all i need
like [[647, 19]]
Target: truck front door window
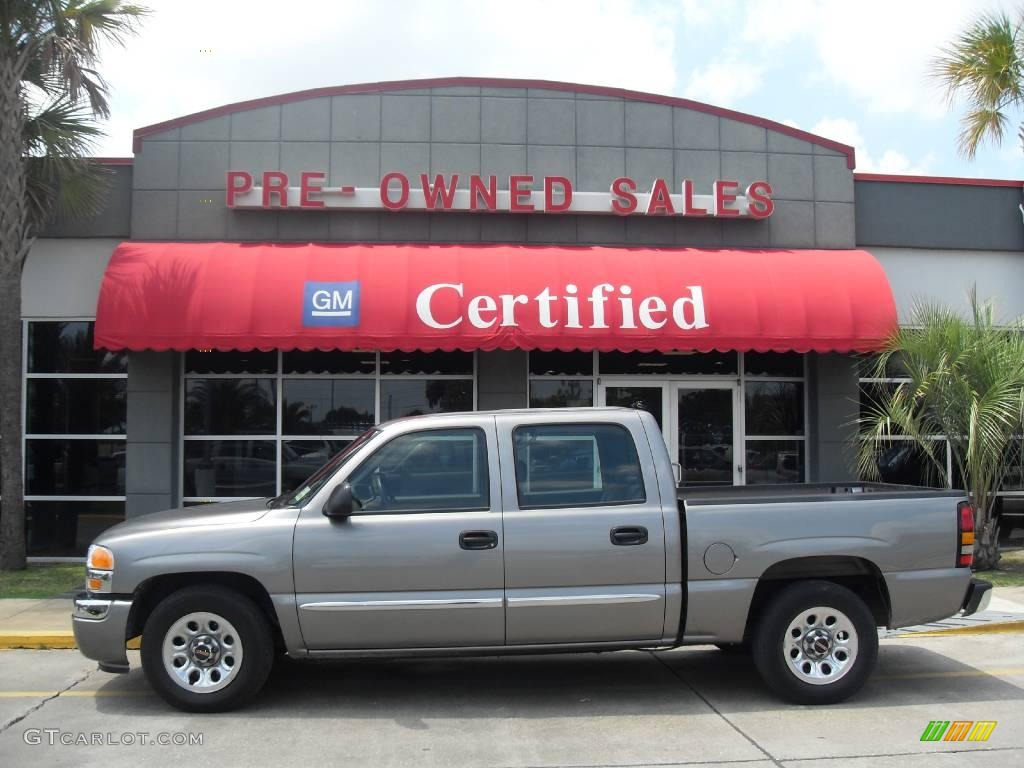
[[430, 471]]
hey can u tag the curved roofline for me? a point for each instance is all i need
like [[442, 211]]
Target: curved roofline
[[493, 82]]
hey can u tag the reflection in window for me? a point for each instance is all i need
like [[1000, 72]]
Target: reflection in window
[[436, 470], [301, 458], [75, 406], [327, 406], [67, 528], [74, 467], [557, 363], [904, 462], [561, 393], [229, 407], [216, 468], [414, 397], [214, 361], [67, 347], [775, 461], [676, 363], [775, 408], [570, 465], [427, 363]]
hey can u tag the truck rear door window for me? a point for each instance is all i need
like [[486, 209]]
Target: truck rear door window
[[438, 470], [576, 465]]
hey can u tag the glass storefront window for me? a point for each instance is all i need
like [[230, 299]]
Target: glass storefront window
[[216, 362], [775, 461], [782, 364], [75, 406], [399, 397], [217, 468], [561, 393], [229, 407], [667, 363], [67, 528], [66, 347], [75, 425], [336, 363], [259, 423], [74, 467], [327, 406], [556, 363], [774, 408]]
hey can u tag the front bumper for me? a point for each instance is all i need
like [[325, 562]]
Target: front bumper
[[100, 629], [979, 594]]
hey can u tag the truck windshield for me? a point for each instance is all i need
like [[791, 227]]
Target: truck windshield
[[316, 481]]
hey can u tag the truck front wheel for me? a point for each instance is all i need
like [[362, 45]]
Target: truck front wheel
[[207, 649], [815, 643]]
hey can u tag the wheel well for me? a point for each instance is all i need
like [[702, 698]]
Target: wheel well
[[153, 590], [860, 576]]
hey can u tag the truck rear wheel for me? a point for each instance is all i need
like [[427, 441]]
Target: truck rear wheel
[[816, 643], [207, 649]]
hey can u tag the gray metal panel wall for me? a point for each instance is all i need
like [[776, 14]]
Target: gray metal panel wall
[[180, 174], [833, 389], [112, 220], [62, 277], [151, 476], [501, 379], [914, 215]]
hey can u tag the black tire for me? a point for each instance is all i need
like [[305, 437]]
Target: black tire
[[254, 635], [786, 674]]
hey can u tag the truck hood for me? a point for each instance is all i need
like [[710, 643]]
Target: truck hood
[[224, 513]]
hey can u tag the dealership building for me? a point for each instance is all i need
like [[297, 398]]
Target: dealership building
[[270, 278]]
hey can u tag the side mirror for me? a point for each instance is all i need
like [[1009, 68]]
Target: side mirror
[[339, 503]]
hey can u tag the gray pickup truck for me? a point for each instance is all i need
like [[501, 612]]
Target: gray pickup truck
[[523, 531]]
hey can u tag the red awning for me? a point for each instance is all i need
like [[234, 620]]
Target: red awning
[[274, 296]]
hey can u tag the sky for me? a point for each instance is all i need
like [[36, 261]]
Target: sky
[[855, 72]]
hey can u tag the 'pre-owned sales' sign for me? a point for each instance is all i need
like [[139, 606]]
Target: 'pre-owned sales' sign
[[441, 192]]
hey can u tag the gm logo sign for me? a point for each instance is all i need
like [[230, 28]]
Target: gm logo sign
[[333, 304]]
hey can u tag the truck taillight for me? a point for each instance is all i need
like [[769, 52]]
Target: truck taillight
[[965, 515]]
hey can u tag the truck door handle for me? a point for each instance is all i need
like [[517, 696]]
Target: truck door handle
[[478, 539], [629, 535]]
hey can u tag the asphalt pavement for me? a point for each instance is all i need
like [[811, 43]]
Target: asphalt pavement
[[694, 706]]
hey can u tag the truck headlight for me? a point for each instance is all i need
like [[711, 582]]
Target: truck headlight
[[99, 569]]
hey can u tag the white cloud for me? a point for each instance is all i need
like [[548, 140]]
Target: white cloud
[[880, 50], [891, 161], [162, 74], [724, 81]]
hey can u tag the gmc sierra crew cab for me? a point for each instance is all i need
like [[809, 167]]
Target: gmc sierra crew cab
[[523, 531]]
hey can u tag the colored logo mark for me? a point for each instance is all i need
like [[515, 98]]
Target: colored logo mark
[[331, 304], [958, 730]]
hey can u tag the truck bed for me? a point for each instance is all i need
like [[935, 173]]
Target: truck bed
[[785, 492]]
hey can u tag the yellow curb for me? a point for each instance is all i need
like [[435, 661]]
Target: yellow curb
[[46, 641], [995, 628]]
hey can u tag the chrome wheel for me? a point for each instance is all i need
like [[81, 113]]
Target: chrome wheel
[[820, 645], [202, 652]]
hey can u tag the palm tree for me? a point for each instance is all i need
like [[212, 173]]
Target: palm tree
[[964, 382], [50, 92], [986, 65]]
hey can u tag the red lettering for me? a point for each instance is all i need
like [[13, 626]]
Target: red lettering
[[275, 183], [519, 196], [759, 202], [722, 196], [488, 194], [310, 182], [660, 203], [385, 191], [624, 201], [238, 183], [688, 207], [549, 194], [431, 194]]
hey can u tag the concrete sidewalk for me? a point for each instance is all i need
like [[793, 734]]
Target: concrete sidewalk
[[46, 624]]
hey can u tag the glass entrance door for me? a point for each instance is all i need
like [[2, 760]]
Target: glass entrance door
[[705, 432], [697, 420]]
